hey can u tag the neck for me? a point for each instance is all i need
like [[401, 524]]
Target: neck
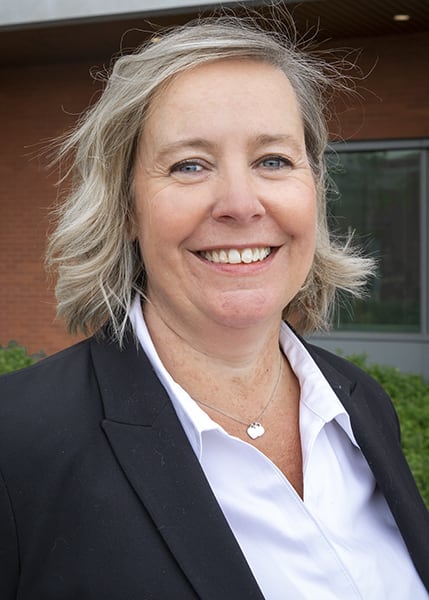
[[227, 368]]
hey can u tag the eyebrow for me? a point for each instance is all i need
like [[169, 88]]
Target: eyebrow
[[185, 144], [267, 139], [263, 139]]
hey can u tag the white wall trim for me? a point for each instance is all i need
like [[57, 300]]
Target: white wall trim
[[26, 12]]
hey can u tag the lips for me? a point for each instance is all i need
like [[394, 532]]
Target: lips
[[235, 256]]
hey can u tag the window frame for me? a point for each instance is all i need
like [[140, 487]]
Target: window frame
[[406, 144]]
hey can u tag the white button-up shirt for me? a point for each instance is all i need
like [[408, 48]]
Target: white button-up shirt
[[340, 542]]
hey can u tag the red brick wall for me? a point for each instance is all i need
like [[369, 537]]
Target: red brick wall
[[40, 102], [394, 94], [36, 103]]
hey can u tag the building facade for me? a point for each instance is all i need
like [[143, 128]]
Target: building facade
[[379, 156]]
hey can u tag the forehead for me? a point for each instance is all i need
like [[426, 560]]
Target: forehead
[[225, 89], [219, 72]]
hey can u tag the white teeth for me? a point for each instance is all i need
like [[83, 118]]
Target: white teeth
[[247, 255], [234, 256], [223, 257]]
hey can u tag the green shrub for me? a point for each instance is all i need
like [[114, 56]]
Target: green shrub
[[13, 357], [410, 396]]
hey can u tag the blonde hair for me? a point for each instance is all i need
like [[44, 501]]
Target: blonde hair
[[99, 267]]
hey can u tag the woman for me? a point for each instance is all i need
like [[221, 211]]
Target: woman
[[197, 447]]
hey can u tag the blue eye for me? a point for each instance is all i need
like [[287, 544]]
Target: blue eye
[[187, 167], [274, 162]]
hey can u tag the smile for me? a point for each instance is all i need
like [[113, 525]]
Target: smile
[[233, 256]]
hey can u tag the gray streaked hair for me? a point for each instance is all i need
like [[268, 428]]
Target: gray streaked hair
[[98, 265]]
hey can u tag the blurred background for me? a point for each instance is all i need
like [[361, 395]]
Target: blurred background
[[378, 157]]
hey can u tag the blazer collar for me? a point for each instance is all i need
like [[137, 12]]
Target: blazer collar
[[155, 454]]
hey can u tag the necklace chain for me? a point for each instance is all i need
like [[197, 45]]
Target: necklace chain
[[254, 429]]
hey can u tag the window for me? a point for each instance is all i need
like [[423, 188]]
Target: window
[[378, 193]]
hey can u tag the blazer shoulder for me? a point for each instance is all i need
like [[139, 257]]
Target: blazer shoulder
[[371, 392], [46, 369], [342, 365], [48, 394]]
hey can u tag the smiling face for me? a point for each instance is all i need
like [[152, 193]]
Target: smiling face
[[225, 201]]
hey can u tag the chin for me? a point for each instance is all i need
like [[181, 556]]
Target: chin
[[243, 314]]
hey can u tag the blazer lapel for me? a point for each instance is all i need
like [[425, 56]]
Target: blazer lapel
[[155, 454]]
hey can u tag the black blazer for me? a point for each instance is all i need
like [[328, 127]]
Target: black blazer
[[102, 497]]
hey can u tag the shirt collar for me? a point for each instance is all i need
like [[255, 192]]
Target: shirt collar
[[316, 393]]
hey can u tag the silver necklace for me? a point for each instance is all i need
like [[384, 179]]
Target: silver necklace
[[254, 429]]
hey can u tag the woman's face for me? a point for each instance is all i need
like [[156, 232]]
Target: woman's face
[[225, 201]]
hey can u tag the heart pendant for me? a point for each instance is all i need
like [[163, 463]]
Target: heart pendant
[[255, 430]]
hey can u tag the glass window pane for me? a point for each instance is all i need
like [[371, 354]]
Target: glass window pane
[[378, 197]]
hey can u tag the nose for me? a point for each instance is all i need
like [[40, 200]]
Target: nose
[[236, 198]]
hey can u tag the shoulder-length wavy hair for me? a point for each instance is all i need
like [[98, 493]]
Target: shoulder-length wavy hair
[[98, 265]]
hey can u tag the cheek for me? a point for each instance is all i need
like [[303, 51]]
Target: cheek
[[164, 209], [162, 229], [146, 228], [309, 222], [299, 213], [152, 216]]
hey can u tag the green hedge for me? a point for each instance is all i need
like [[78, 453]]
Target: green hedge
[[13, 357], [410, 396]]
